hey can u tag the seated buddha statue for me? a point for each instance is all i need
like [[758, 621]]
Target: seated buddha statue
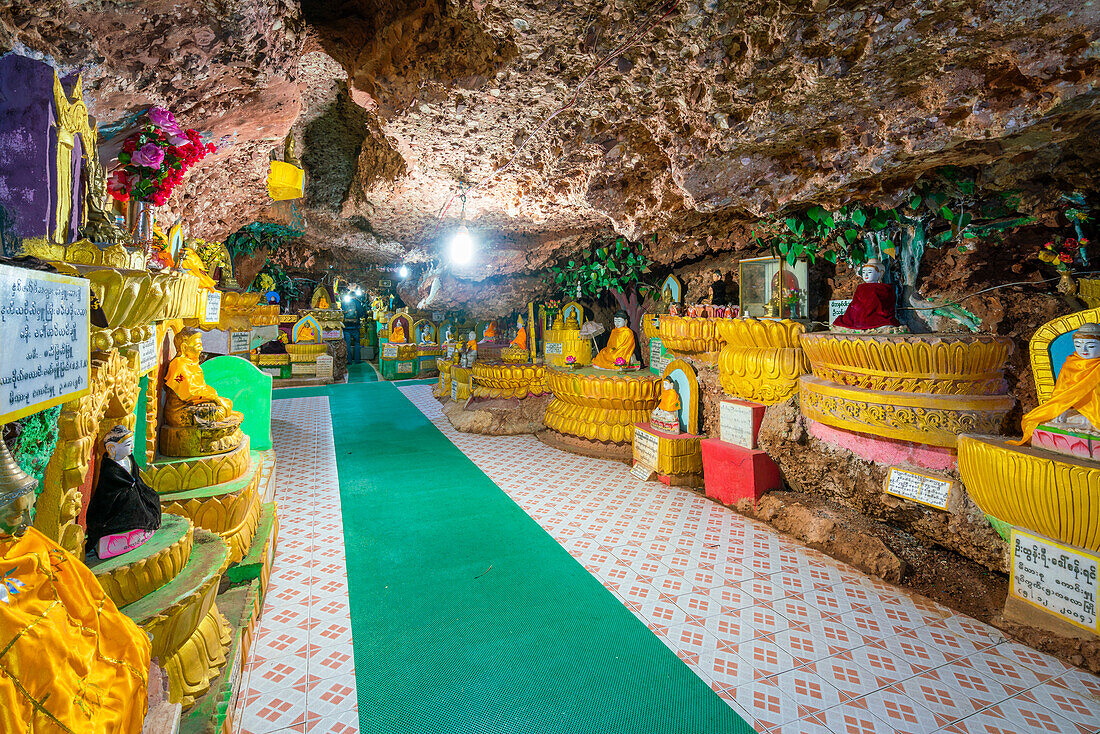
[[397, 333], [490, 332], [469, 356], [666, 416], [521, 336], [620, 345], [874, 305], [124, 511], [1075, 403]]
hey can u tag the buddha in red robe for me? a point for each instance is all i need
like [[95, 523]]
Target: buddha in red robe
[[874, 304]]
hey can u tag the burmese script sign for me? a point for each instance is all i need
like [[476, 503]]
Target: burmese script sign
[[736, 424], [1055, 577], [645, 449], [44, 324], [212, 312], [147, 353], [658, 357], [927, 490], [389, 351], [553, 348]]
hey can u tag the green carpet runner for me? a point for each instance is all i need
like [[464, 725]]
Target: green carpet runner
[[467, 616]]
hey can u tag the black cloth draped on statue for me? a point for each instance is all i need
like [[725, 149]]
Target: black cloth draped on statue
[[122, 502]]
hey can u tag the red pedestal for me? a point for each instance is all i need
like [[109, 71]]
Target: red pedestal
[[732, 473]]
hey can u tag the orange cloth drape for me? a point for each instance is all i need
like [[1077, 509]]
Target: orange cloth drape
[[619, 344], [490, 331], [1078, 387], [521, 339], [670, 401], [397, 336], [69, 660]]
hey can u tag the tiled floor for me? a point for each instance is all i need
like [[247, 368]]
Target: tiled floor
[[793, 640], [302, 674]]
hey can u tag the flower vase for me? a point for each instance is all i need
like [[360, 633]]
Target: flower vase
[[1067, 285], [143, 233]]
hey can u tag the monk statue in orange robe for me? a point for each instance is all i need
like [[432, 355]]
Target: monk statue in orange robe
[[666, 416], [397, 333], [620, 345], [1075, 403], [521, 337], [873, 305], [490, 332]]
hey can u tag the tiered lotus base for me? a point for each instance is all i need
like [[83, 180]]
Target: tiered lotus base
[[500, 380], [677, 458], [687, 336], [921, 388], [598, 409], [196, 587], [761, 360]]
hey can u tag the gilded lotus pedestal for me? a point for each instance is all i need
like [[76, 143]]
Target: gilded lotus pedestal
[[923, 388], [560, 344], [761, 360], [503, 380], [687, 336], [596, 405]]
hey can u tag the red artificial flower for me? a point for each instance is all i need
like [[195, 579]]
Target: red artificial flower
[[1066, 257]]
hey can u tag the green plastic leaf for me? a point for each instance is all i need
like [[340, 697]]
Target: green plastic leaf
[[851, 235], [831, 256], [859, 218]]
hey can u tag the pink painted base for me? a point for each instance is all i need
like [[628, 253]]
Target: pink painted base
[[886, 450], [732, 473], [1079, 446]]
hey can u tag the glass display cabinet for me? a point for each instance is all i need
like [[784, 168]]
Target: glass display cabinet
[[773, 289]]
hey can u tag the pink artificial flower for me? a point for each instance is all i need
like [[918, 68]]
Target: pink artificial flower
[[163, 118], [619, 361], [149, 155]]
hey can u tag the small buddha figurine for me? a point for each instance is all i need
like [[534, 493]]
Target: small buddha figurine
[[448, 336], [573, 320], [620, 344], [397, 333], [470, 355], [521, 336], [1075, 402], [124, 511], [490, 332], [666, 416], [190, 400], [307, 334], [873, 304]]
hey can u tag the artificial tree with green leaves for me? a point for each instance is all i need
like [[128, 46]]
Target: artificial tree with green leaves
[[252, 244], [608, 267], [947, 209]]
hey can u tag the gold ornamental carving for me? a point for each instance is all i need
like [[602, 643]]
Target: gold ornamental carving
[[918, 417], [507, 380], [199, 660], [687, 336], [949, 364], [200, 471], [600, 407], [761, 360], [1029, 488]]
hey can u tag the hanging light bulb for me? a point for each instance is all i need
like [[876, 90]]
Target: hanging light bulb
[[462, 244], [403, 272]]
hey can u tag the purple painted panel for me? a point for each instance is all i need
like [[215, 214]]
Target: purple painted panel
[[27, 144]]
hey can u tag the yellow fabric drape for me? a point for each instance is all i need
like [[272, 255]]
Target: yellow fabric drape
[[69, 660], [619, 344], [521, 339], [397, 335], [1078, 387]]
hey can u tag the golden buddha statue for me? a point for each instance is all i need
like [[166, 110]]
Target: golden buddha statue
[[620, 345], [521, 337], [197, 421], [573, 320], [1075, 403]]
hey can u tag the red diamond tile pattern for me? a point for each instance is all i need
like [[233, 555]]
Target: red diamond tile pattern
[[301, 676], [791, 639]]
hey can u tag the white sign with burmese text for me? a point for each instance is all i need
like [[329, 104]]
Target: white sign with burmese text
[[44, 325], [1055, 577], [147, 353], [837, 309], [927, 490], [645, 449], [213, 311], [735, 425]]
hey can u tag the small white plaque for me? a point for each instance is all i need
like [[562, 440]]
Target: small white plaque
[[837, 308], [1055, 577], [405, 368], [932, 491], [645, 449], [389, 351], [641, 472], [554, 348], [44, 320], [147, 353], [213, 312], [454, 389], [273, 371], [736, 425], [215, 341], [240, 341]]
